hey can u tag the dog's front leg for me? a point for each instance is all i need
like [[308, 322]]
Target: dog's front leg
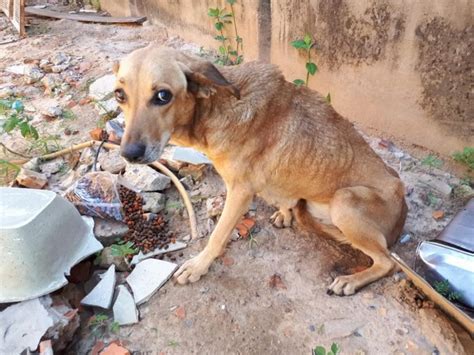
[[236, 204]]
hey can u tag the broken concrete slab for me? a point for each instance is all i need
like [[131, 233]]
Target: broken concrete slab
[[125, 311], [22, 326], [102, 87], [145, 178], [107, 231], [112, 161], [153, 202], [190, 155], [171, 247], [147, 277], [102, 294], [31, 179]]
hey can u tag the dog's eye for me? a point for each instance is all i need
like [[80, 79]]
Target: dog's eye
[[162, 97], [120, 96]]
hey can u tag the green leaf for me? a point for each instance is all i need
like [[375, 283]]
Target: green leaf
[[213, 12], [319, 350], [226, 16], [308, 40], [11, 123], [311, 68], [328, 97], [299, 44], [34, 132], [222, 50], [114, 327], [24, 129], [231, 2], [219, 26], [220, 38], [299, 82], [335, 348], [238, 39], [232, 52]]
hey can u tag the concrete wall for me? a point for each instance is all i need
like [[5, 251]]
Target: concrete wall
[[403, 67]]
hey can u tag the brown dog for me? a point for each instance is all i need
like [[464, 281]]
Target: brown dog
[[268, 137]]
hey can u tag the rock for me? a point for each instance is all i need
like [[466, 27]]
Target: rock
[[54, 111], [114, 349], [60, 58], [101, 295], [112, 162], [16, 69], [102, 87], [186, 238], [438, 214], [434, 183], [108, 107], [147, 277], [59, 68], [107, 259], [51, 82], [125, 311], [31, 179], [180, 312], [33, 74], [145, 178], [85, 66], [245, 227], [33, 164], [108, 231], [98, 134], [5, 93], [153, 201], [115, 130], [52, 166], [187, 182], [190, 155], [215, 206]]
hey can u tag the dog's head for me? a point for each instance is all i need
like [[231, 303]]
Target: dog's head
[[157, 89]]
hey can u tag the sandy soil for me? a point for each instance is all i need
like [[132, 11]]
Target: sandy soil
[[234, 309]]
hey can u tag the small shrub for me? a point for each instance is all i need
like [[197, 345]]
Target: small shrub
[[432, 161], [465, 157], [444, 288], [321, 350]]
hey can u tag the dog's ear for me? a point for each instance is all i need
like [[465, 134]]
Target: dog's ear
[[204, 79]]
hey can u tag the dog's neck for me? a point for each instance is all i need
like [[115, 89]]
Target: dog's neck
[[221, 121]]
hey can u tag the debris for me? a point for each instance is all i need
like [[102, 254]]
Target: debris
[[52, 166], [22, 325], [436, 184], [115, 349], [405, 238], [33, 164], [60, 58], [17, 69], [214, 206], [153, 201], [112, 162], [107, 231], [98, 134], [148, 276], [51, 82], [31, 179], [6, 93], [145, 178], [32, 74], [108, 107], [101, 295], [438, 214], [125, 311], [170, 248], [30, 10], [276, 282], [115, 130], [102, 87], [180, 312], [190, 155], [46, 348], [245, 227], [108, 258]]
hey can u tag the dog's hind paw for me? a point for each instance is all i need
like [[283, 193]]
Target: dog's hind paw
[[343, 286], [193, 269], [282, 219]]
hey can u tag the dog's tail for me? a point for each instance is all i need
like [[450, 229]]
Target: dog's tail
[[309, 224]]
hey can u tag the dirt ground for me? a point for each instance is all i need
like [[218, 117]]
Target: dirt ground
[[234, 309]]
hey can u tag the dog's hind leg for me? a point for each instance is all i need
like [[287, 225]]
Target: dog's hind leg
[[236, 204], [359, 214]]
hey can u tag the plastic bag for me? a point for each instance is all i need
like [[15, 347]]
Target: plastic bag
[[96, 194]]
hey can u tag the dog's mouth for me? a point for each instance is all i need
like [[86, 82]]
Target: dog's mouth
[[154, 152]]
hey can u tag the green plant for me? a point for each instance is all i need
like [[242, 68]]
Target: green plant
[[321, 350], [100, 323], [465, 157], [252, 240], [114, 327], [8, 172], [305, 44], [432, 199], [123, 248], [228, 54], [68, 114], [46, 144], [432, 161], [173, 343], [16, 118], [444, 289]]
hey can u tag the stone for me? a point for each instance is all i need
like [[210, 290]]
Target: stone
[[52, 166], [5, 93], [190, 155], [59, 68], [31, 179], [101, 295], [33, 74], [115, 349], [438, 214], [145, 178], [54, 111], [434, 183], [107, 231], [112, 161], [125, 311], [33, 164], [51, 82], [109, 107], [16, 69], [60, 58], [214, 206], [107, 258], [147, 277], [102, 87], [153, 201]]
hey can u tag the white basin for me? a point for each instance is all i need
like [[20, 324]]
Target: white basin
[[41, 237]]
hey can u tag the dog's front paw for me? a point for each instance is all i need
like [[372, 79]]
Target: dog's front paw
[[193, 269], [343, 286], [281, 218]]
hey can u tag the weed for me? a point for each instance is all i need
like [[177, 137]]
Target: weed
[[8, 172], [123, 248], [17, 119], [228, 55], [445, 290], [46, 144], [466, 180], [100, 323], [432, 161], [321, 350], [173, 343], [114, 327], [252, 241], [321, 329], [465, 157], [69, 115], [431, 199]]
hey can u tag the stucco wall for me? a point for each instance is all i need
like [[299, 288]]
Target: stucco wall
[[404, 67]]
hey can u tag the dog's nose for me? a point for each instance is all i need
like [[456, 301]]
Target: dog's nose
[[133, 152]]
